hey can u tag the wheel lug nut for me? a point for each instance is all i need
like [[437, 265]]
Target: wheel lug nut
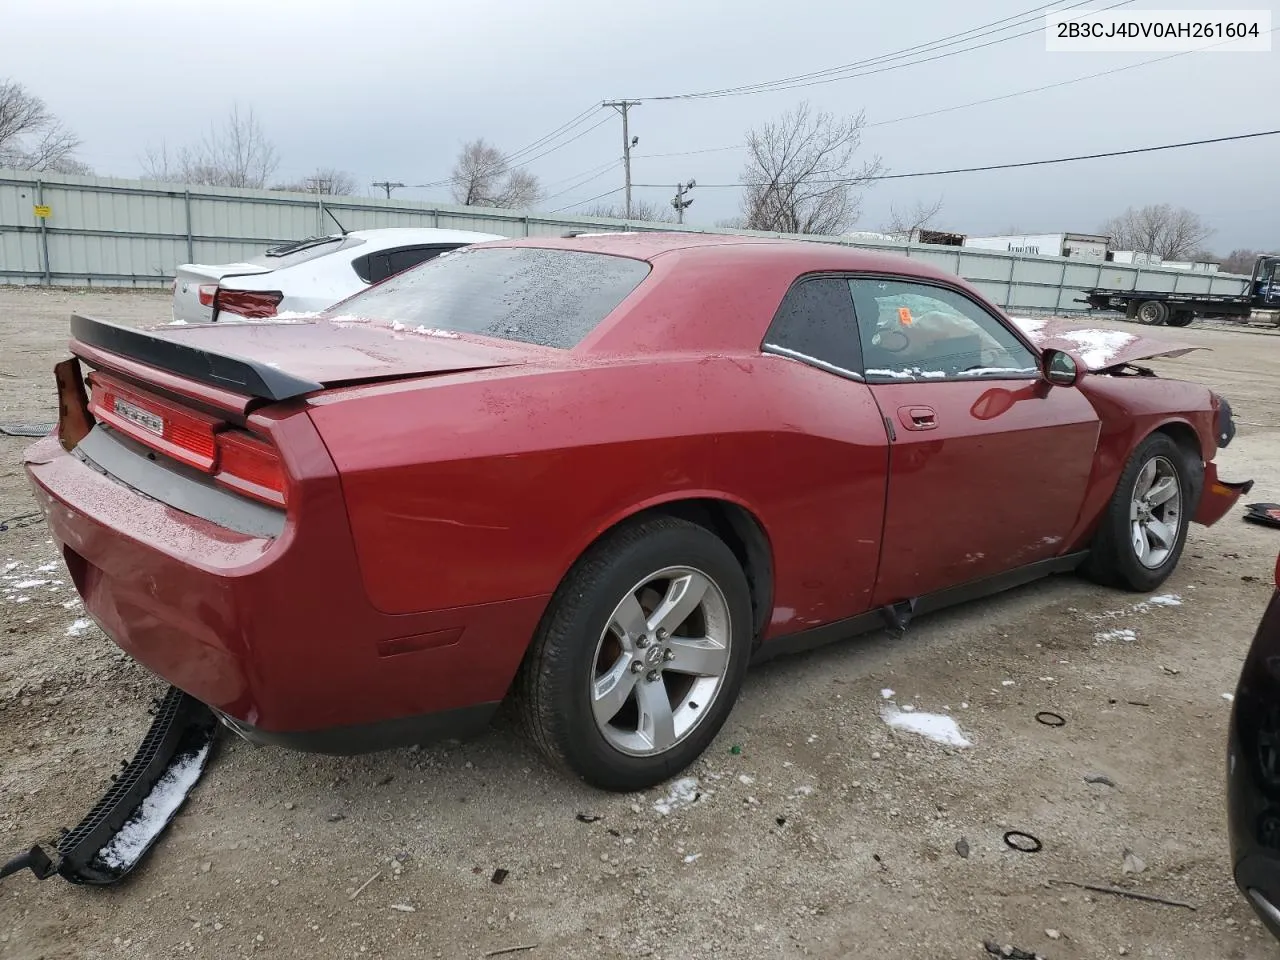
[[642, 641], [636, 666], [652, 675], [662, 634], [668, 655]]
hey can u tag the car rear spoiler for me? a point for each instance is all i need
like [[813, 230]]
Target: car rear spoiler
[[204, 366]]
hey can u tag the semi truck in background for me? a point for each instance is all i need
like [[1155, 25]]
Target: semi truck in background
[[1260, 293]]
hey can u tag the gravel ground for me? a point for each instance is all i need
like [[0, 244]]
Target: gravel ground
[[827, 834]]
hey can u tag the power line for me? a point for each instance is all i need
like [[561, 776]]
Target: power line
[[977, 103], [541, 141], [600, 196], [998, 166], [884, 62], [596, 175]]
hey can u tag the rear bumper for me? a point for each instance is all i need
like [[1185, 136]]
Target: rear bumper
[[275, 634], [1219, 496], [1253, 772]]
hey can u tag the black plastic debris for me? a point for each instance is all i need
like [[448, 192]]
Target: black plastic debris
[[1099, 778], [26, 429], [1023, 842], [1010, 952], [21, 520], [589, 817], [962, 848], [499, 875], [144, 797], [1051, 719], [1267, 514]]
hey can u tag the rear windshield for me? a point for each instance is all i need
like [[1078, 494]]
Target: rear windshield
[[552, 298]]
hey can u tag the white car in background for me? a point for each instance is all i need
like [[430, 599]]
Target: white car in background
[[304, 276]]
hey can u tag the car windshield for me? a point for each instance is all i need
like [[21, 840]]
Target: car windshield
[[552, 298]]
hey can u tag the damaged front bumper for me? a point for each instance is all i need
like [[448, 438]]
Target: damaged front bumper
[[1219, 496], [142, 800]]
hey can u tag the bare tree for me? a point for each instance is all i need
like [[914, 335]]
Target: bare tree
[[732, 223], [1169, 233], [328, 181], [238, 154], [1242, 261], [640, 210], [801, 176], [32, 138], [905, 224], [482, 177]]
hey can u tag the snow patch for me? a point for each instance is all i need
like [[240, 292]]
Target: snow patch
[[1228, 697], [28, 584], [1097, 347], [1123, 634], [932, 726], [161, 803], [79, 627], [692, 857], [684, 792], [397, 326], [887, 693], [430, 332], [177, 323], [988, 371], [1029, 325], [46, 568], [1166, 600], [11, 565], [803, 791]]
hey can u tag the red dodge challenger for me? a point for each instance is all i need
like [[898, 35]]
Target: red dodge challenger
[[599, 475]]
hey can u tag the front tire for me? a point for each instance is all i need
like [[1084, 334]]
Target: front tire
[[640, 655], [1142, 532]]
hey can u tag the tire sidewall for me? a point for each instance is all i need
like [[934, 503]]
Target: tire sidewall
[[584, 745], [1131, 570]]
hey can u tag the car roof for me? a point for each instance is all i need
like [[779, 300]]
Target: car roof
[[805, 256], [710, 293]]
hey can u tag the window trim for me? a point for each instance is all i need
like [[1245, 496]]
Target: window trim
[[1009, 327], [789, 354], [440, 248]]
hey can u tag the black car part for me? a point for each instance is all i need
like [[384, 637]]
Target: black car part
[[144, 797]]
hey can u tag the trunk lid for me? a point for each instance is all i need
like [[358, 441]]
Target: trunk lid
[[279, 359]]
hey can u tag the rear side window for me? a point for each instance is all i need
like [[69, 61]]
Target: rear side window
[[552, 298], [376, 267], [815, 324]]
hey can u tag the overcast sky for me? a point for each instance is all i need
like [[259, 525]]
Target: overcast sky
[[390, 90]]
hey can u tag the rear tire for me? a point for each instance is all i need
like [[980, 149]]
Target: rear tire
[[1181, 318], [1152, 313], [617, 692], [1144, 527]]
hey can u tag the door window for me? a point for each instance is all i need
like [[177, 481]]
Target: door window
[[915, 331]]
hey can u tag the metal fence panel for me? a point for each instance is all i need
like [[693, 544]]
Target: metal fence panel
[[105, 231]]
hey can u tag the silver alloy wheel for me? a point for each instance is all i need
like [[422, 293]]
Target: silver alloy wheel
[[1155, 512], [661, 661]]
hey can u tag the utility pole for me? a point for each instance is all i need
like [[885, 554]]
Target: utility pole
[[622, 106], [321, 185], [388, 185], [680, 203]]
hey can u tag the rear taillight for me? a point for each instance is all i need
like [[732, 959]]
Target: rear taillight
[[183, 434], [236, 459], [251, 467], [251, 304], [206, 292]]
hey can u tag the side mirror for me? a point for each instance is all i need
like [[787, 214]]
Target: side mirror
[[1059, 368]]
